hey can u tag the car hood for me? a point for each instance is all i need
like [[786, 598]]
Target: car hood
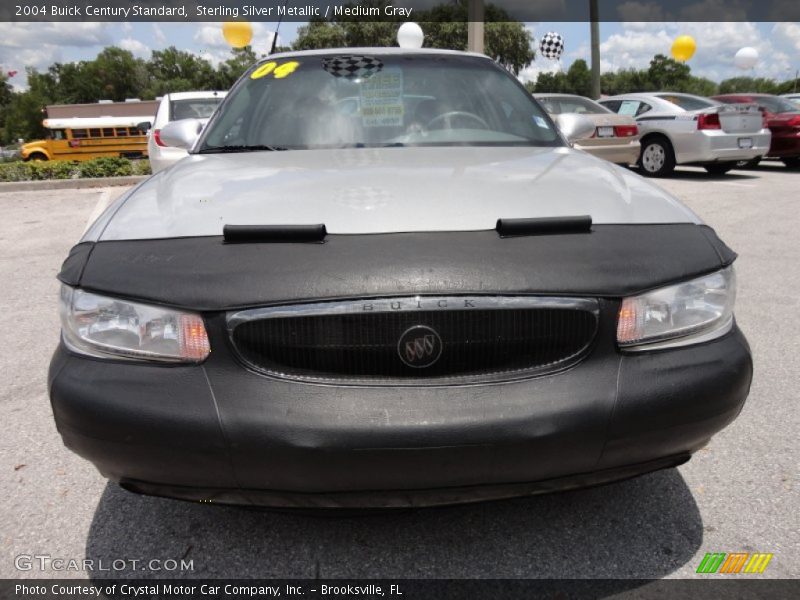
[[385, 190]]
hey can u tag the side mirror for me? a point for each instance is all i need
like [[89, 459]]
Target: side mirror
[[144, 126], [181, 134], [575, 127]]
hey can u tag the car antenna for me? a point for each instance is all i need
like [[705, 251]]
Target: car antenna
[[277, 29]]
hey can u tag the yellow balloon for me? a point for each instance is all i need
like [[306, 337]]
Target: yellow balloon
[[237, 33], [683, 48]]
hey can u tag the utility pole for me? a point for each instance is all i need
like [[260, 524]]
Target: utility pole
[[594, 17], [475, 26]]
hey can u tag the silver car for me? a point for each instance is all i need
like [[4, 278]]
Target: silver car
[[383, 278], [616, 137], [682, 129]]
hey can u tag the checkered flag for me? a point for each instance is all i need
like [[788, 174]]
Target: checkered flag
[[552, 45], [352, 67]]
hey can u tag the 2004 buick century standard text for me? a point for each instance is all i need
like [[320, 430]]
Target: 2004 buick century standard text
[[383, 278]]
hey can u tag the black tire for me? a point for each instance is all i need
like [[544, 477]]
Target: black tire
[[657, 158], [793, 162], [720, 168], [748, 164], [37, 156]]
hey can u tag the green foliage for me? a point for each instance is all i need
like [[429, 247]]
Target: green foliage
[[107, 166], [115, 74], [663, 74], [233, 68], [173, 70], [577, 80], [667, 73], [745, 85], [444, 26], [65, 169]]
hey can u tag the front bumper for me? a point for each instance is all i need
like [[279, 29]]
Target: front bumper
[[218, 432]]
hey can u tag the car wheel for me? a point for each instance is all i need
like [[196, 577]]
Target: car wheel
[[748, 164], [37, 156], [657, 158], [720, 168], [793, 162]]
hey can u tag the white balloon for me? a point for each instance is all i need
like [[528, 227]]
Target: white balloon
[[410, 35], [746, 58]]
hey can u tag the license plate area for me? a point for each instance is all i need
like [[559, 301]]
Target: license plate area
[[605, 132], [745, 143]]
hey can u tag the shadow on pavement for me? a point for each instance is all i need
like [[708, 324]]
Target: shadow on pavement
[[700, 174], [642, 528]]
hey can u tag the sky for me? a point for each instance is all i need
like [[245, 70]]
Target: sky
[[623, 45]]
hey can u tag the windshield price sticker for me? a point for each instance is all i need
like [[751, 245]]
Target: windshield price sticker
[[382, 99], [276, 70]]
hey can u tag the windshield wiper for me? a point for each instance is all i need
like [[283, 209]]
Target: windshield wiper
[[226, 149]]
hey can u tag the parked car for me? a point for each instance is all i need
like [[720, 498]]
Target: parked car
[[321, 307], [681, 129], [174, 107], [783, 119], [616, 137], [793, 98], [8, 153]]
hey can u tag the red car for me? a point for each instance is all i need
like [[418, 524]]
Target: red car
[[783, 119]]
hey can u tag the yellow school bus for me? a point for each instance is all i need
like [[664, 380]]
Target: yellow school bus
[[82, 138]]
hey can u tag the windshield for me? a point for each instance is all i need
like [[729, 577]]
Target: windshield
[[344, 100], [557, 105], [195, 108], [775, 105], [688, 102]]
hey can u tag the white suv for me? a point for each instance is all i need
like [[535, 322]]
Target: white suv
[[173, 107]]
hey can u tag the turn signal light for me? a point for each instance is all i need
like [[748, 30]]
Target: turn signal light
[[193, 339]]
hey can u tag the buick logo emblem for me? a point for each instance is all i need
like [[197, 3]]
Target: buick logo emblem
[[419, 347]]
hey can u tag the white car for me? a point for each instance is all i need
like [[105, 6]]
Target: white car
[[174, 107], [681, 129]]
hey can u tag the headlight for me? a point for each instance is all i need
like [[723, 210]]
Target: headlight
[[678, 315], [113, 328]]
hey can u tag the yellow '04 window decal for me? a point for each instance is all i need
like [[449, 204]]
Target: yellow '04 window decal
[[276, 70]]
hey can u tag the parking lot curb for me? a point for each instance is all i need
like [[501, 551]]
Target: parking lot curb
[[70, 184]]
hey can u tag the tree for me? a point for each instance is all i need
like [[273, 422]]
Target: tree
[[444, 26], [173, 70], [228, 72], [748, 84], [6, 96], [667, 73], [579, 78], [25, 111]]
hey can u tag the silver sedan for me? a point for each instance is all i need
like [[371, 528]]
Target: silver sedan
[[681, 129], [615, 138]]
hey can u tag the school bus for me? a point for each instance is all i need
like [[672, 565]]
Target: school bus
[[83, 138]]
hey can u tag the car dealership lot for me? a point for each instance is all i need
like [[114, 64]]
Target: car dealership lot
[[737, 495]]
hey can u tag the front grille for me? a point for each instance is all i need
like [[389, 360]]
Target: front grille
[[419, 340]]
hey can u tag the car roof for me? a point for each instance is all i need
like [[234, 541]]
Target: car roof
[[748, 94], [196, 95], [382, 50], [653, 95], [557, 95]]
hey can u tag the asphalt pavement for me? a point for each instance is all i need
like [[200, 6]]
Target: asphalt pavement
[[739, 494]]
